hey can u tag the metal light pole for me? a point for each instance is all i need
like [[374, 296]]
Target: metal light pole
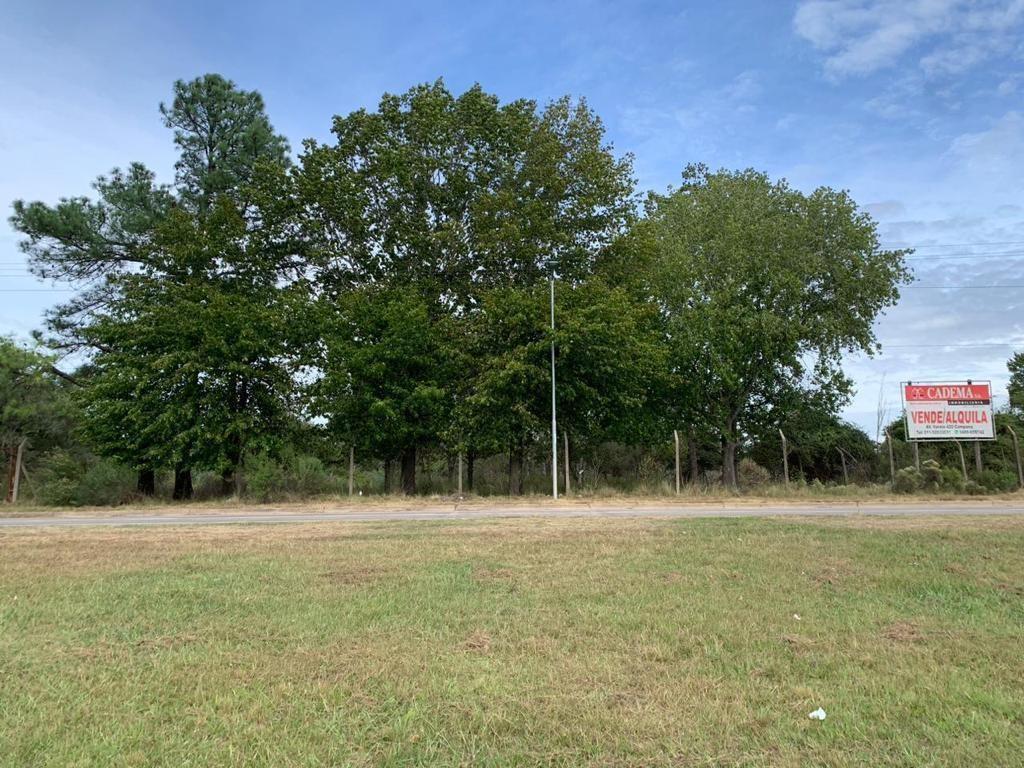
[[554, 420]]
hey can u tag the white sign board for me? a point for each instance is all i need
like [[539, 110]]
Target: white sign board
[[957, 410]]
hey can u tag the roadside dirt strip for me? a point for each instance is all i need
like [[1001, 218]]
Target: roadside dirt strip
[[478, 511]]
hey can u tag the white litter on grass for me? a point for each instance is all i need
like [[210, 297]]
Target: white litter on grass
[[796, 616], [818, 714]]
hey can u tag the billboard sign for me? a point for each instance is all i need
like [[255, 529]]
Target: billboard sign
[[948, 410]]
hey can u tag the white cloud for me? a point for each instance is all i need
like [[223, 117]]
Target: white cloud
[[949, 36], [994, 156]]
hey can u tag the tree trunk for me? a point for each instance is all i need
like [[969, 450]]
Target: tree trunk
[[515, 471], [409, 471], [387, 476], [228, 483], [182, 484], [470, 460], [691, 441], [729, 464], [147, 481]]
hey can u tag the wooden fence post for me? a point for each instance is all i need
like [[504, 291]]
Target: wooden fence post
[[17, 472], [846, 476], [963, 461], [785, 459], [351, 469], [460, 474], [675, 436], [892, 459], [565, 442], [1016, 453]]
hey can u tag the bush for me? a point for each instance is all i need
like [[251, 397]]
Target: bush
[[931, 475], [908, 480], [996, 481], [952, 479], [971, 488], [63, 478], [750, 474], [268, 478]]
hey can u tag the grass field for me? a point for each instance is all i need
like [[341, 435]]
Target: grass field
[[516, 642]]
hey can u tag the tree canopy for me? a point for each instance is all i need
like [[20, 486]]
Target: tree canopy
[[389, 291], [764, 289]]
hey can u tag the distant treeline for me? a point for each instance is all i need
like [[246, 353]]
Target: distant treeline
[[388, 291]]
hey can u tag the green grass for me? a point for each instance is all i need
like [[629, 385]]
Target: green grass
[[517, 642]]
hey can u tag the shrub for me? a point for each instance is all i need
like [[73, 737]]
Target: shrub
[[973, 489], [931, 475], [63, 478], [268, 477], [952, 479], [908, 480], [996, 481], [750, 474]]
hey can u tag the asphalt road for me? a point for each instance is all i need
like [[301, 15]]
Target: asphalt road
[[478, 512]]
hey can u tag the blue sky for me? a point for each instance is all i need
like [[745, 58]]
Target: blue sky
[[915, 106]]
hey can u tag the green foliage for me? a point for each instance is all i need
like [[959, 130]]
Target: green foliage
[[952, 479], [1016, 387], [931, 475], [750, 474], [908, 480], [608, 366], [223, 134], [75, 478], [390, 293], [765, 289], [457, 195], [424, 217], [996, 481], [387, 370], [191, 299], [270, 477], [32, 402]]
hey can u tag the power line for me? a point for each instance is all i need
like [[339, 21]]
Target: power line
[[957, 245], [959, 287], [955, 345], [945, 256]]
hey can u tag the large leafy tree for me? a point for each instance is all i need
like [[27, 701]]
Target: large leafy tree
[[183, 306], [33, 405], [609, 375], [388, 359], [459, 194], [764, 290], [450, 198], [1016, 387]]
